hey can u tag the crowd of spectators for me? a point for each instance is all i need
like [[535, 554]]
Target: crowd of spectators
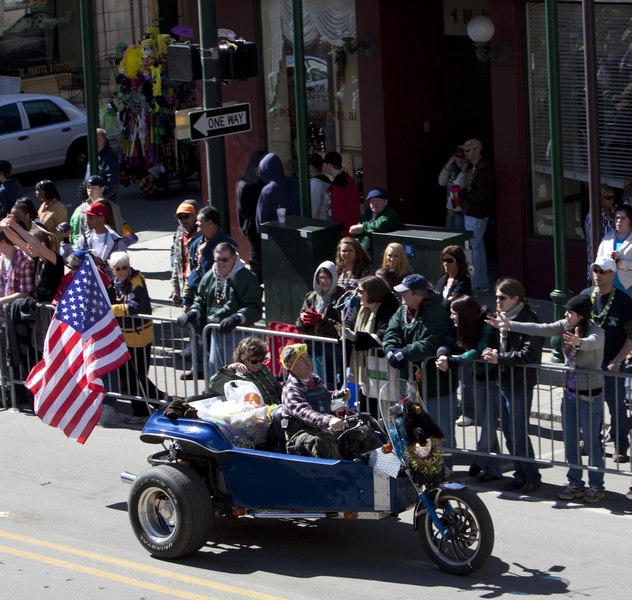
[[388, 321]]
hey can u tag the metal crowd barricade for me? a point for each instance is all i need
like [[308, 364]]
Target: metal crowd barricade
[[324, 352], [151, 376], [544, 421]]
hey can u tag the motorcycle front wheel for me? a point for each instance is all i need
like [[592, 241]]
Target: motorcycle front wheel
[[468, 539]]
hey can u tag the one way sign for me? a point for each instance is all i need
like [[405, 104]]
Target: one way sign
[[215, 122]]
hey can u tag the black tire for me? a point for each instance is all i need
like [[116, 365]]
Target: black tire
[[470, 532], [77, 158], [170, 511]]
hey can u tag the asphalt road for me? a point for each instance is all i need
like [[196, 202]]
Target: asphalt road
[[64, 533]]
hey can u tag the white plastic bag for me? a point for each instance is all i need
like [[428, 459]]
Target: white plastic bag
[[243, 392]]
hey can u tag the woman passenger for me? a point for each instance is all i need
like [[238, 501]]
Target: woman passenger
[[248, 365]]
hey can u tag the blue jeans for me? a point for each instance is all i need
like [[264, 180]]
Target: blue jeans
[[221, 348], [614, 393], [455, 221], [443, 410], [479, 255], [583, 415], [487, 407], [516, 408]]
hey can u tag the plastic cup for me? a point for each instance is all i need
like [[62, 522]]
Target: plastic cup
[[281, 215]]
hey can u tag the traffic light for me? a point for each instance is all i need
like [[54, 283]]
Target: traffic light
[[183, 62], [238, 59]]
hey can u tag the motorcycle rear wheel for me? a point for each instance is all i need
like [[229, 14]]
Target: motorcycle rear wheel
[[469, 538], [170, 511]]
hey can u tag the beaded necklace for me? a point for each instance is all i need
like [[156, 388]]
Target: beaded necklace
[[601, 317], [220, 290]]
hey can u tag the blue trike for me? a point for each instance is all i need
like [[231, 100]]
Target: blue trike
[[201, 475]]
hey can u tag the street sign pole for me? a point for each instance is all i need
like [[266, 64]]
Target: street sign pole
[[212, 98]]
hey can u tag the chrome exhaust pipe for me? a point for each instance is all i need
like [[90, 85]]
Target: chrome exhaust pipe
[[127, 477]]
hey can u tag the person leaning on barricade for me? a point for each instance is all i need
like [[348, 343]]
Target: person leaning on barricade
[[512, 351], [229, 295], [414, 333], [369, 364], [582, 404]]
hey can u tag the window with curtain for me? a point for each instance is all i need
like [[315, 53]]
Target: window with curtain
[[331, 79], [613, 27]]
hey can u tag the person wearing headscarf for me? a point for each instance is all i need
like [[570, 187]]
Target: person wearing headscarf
[[319, 314]]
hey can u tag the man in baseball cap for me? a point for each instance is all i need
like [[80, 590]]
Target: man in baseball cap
[[378, 218], [414, 334], [99, 238], [612, 311]]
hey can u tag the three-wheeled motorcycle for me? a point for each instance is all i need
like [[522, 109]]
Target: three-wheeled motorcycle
[[200, 475]]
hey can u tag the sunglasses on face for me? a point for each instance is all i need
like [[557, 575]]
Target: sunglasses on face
[[221, 259], [121, 268], [447, 259], [500, 298], [255, 361], [183, 217]]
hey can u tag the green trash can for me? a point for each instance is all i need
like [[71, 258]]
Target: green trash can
[[423, 247], [291, 252]]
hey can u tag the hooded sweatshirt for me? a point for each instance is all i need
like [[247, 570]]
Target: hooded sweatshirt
[[325, 304], [280, 191], [218, 298]]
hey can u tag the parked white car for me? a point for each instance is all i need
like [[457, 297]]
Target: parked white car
[[40, 132]]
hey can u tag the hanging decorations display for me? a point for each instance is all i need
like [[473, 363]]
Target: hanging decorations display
[[147, 101]]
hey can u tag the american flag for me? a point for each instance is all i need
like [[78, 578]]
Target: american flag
[[83, 343]]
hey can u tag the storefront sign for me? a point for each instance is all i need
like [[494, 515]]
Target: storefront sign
[[216, 122]]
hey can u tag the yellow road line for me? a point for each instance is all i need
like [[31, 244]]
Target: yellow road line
[[104, 574], [160, 572]]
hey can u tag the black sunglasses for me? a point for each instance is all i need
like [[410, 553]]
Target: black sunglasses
[[448, 260], [501, 297], [183, 217]]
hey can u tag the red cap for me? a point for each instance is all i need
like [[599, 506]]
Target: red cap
[[96, 209]]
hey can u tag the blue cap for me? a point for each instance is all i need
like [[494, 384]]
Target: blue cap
[[377, 192], [416, 283]]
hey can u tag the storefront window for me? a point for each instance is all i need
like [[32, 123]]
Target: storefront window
[[613, 27], [331, 79], [38, 36]]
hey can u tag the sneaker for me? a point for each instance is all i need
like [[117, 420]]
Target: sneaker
[[571, 492], [629, 494], [594, 494], [464, 421]]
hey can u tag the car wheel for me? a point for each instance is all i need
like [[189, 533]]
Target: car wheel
[[77, 158], [170, 511]]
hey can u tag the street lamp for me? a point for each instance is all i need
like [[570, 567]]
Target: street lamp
[[481, 30]]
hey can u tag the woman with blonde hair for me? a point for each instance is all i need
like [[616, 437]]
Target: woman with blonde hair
[[394, 258]]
